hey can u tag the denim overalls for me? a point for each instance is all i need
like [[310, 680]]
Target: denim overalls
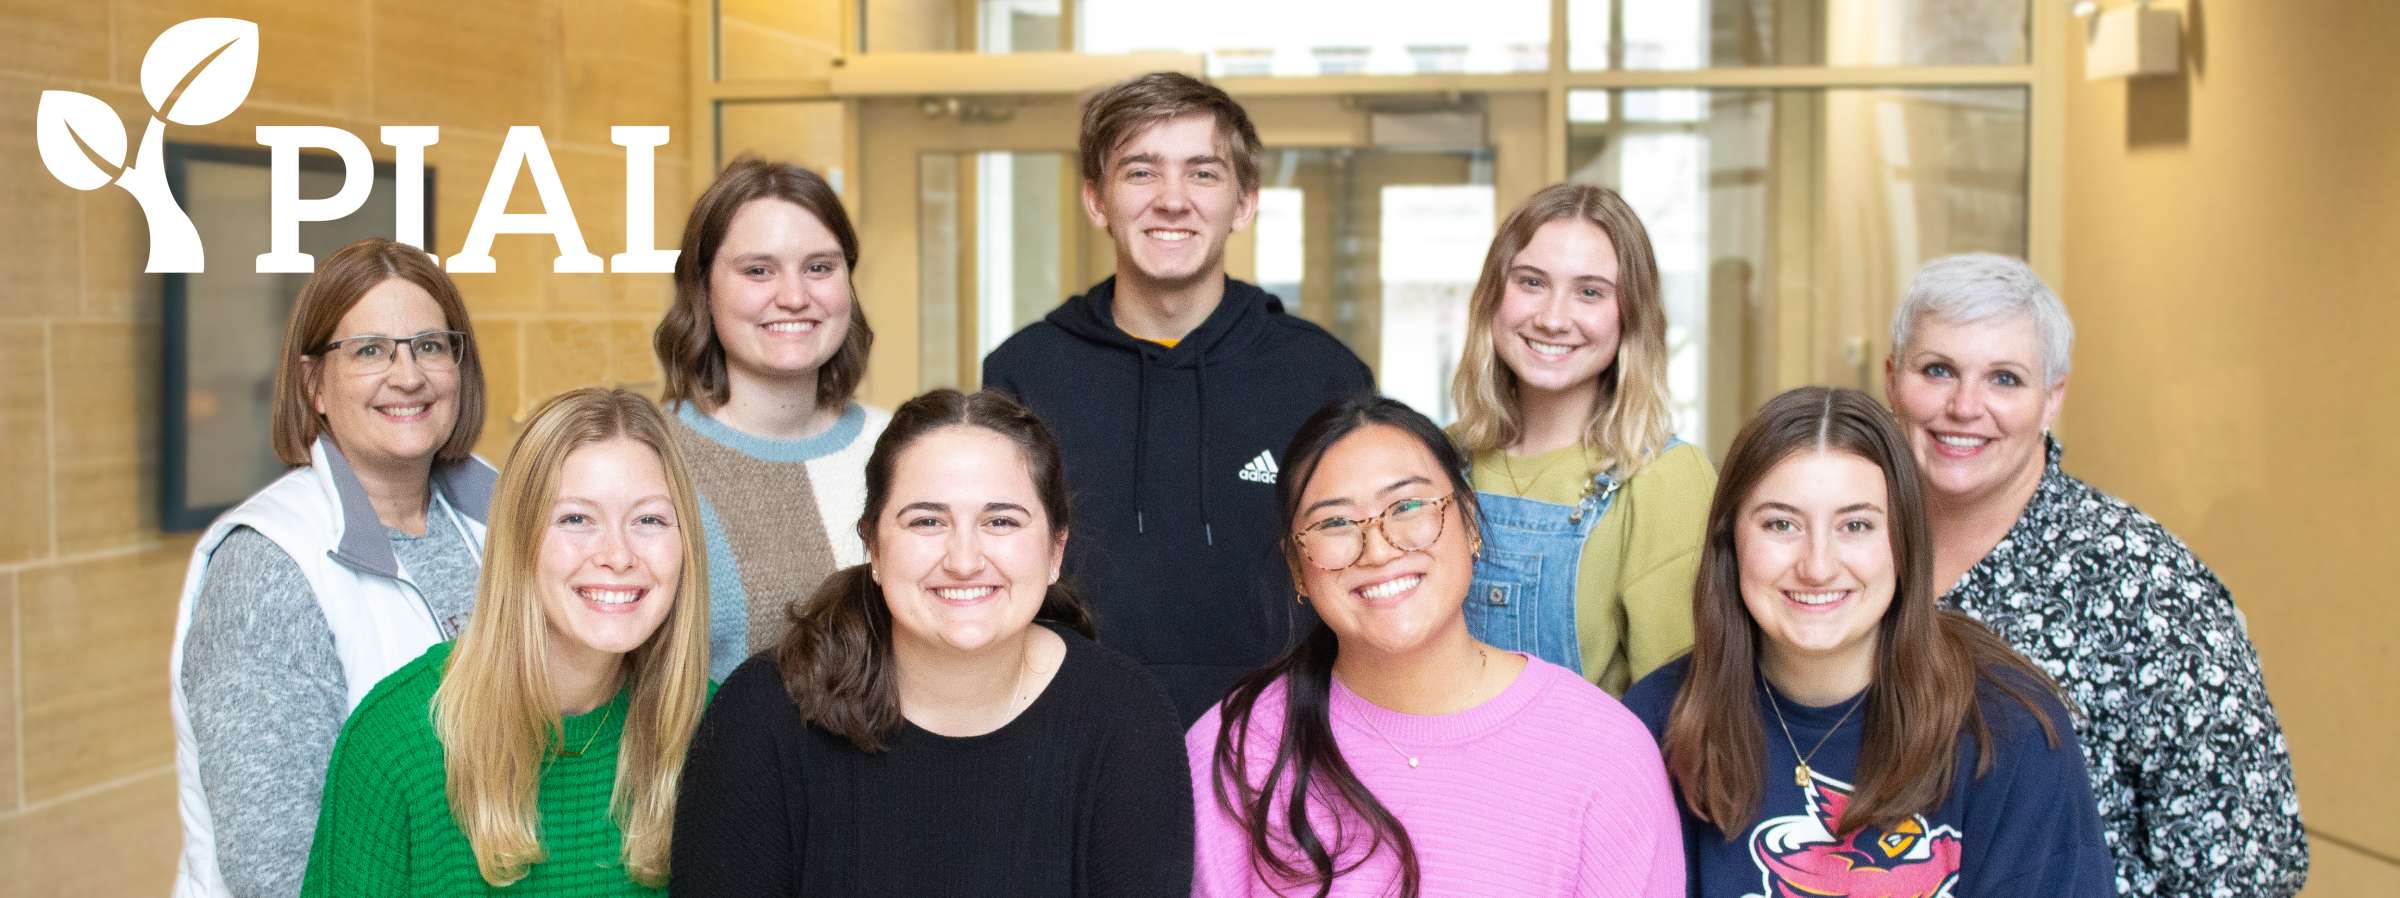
[[1523, 598]]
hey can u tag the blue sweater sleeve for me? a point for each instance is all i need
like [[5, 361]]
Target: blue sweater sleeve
[[2034, 826]]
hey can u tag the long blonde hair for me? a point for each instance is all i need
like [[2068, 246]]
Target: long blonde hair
[[1631, 422], [495, 712]]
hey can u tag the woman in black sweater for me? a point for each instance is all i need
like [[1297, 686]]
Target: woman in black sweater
[[939, 721]]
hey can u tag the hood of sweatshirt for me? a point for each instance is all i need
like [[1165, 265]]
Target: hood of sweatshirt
[[1241, 319]]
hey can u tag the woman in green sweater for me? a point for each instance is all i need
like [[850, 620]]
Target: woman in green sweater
[[1592, 510], [540, 753]]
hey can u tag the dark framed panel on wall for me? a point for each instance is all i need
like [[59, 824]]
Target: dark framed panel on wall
[[223, 328]]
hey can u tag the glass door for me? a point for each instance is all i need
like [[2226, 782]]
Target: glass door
[[1794, 160], [1373, 218]]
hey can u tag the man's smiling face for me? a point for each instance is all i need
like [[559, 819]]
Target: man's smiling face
[[1169, 197]]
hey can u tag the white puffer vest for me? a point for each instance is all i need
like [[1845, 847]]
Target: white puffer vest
[[319, 515]]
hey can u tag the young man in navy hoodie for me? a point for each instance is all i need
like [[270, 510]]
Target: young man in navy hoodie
[[1172, 390]]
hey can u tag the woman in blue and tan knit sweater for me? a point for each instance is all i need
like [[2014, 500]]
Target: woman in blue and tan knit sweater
[[763, 348]]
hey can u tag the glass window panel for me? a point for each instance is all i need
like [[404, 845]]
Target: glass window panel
[[938, 206], [1815, 203], [1282, 235], [1020, 209], [1017, 26], [1434, 238], [1329, 37], [1696, 34], [1380, 247], [991, 229], [777, 38], [934, 26], [911, 26]]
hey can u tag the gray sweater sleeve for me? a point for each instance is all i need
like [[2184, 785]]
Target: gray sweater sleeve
[[266, 697]]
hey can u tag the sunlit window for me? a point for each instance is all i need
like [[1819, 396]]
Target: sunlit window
[[1328, 37], [1820, 202], [1434, 239], [1699, 34], [1282, 235]]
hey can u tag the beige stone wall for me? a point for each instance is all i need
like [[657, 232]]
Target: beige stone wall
[[2230, 271], [87, 582]]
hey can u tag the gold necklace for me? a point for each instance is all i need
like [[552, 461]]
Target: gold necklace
[[1514, 488], [1483, 663], [1800, 773], [594, 737]]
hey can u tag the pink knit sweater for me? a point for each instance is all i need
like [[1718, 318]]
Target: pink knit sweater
[[1550, 788]]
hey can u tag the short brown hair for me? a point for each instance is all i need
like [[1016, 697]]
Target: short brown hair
[[336, 287], [686, 339], [1121, 110]]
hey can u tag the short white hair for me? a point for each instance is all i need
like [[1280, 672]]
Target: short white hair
[[1971, 288]]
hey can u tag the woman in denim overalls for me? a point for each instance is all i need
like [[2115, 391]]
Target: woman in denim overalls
[[1592, 510]]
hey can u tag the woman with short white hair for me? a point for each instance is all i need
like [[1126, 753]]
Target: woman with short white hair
[[2186, 757]]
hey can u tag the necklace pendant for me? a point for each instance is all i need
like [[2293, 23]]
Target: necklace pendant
[[1412, 763], [1800, 776]]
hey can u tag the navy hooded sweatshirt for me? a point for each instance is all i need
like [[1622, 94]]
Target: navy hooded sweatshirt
[[1172, 456]]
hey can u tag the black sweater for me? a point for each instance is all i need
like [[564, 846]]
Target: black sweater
[[1172, 455], [1085, 793]]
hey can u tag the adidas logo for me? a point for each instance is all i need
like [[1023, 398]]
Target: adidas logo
[[1261, 469]]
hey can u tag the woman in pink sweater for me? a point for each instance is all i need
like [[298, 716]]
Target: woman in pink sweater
[[1433, 763]]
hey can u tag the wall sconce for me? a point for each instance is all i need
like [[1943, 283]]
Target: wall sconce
[[2130, 41]]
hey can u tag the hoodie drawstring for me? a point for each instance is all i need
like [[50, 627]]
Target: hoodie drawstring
[[1200, 468], [1141, 427]]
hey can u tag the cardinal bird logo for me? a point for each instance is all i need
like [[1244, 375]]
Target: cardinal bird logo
[[1798, 857]]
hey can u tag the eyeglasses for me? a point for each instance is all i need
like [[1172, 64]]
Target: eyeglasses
[[371, 354], [1409, 525]]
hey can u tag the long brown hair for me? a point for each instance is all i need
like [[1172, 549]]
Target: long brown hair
[[1631, 422], [686, 339], [1308, 765], [1929, 661], [837, 660], [495, 712], [338, 284]]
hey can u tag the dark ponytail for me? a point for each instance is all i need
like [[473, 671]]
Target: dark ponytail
[[837, 660], [1307, 761]]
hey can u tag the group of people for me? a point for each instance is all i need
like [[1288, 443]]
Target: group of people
[[1176, 605]]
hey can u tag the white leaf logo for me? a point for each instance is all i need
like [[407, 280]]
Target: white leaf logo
[[212, 60], [66, 123]]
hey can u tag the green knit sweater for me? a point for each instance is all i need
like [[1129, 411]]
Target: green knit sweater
[[385, 827]]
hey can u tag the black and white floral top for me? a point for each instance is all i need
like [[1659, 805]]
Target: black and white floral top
[[2186, 758]]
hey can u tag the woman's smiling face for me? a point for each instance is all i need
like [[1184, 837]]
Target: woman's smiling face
[[1388, 599], [963, 549], [1814, 547]]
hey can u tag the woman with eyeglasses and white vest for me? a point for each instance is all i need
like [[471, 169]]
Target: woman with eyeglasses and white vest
[[305, 595]]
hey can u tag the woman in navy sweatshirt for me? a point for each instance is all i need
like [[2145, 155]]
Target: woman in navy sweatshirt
[[1834, 732]]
